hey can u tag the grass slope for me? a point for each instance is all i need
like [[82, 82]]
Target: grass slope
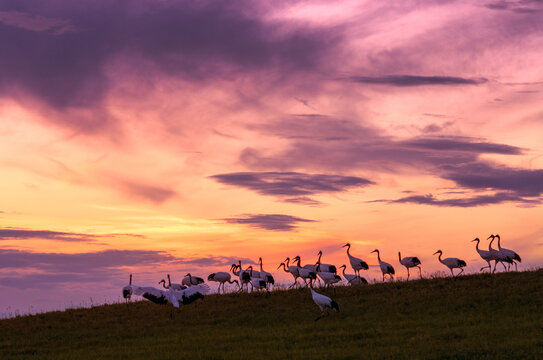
[[475, 316]]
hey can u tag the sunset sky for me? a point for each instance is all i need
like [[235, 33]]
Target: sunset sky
[[155, 137]]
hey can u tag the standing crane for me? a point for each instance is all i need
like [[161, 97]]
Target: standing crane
[[221, 277], [127, 290], [325, 267], [497, 256], [305, 274], [256, 282], [172, 285], [451, 263], [190, 280], [244, 276], [268, 277], [484, 254], [353, 279], [386, 268], [409, 262], [292, 269], [356, 263], [509, 253]]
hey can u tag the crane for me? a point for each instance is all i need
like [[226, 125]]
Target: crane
[[127, 290], [356, 263], [451, 263], [190, 280], [353, 279], [409, 262], [173, 285], [305, 274], [484, 254], [268, 277], [509, 253], [386, 268], [222, 277], [292, 269], [323, 302]]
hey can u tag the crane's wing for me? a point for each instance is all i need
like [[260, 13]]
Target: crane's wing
[[191, 290], [140, 290]]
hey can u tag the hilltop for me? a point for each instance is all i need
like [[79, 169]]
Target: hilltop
[[474, 316]]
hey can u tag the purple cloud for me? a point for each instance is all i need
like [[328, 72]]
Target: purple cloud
[[291, 186], [482, 176], [479, 200], [152, 193], [274, 222], [28, 234], [56, 52], [35, 270], [414, 80], [462, 144]]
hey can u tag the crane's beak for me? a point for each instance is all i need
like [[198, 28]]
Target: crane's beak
[[437, 252], [280, 265], [476, 239], [374, 251], [346, 245], [491, 236]]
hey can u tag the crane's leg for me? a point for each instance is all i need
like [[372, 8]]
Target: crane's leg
[[461, 271], [514, 262], [420, 272], [383, 277], [407, 273], [452, 273]]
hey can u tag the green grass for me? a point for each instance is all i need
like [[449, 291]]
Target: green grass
[[475, 316]]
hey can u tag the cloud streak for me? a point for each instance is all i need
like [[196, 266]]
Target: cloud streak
[[416, 80], [273, 222], [292, 187], [28, 234]]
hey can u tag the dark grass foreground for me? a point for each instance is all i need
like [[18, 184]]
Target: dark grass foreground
[[476, 316]]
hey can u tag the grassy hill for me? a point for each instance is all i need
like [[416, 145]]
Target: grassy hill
[[475, 316]]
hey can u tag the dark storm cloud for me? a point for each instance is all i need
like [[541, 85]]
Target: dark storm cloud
[[291, 186], [479, 200], [29, 234], [274, 222], [58, 51], [414, 80]]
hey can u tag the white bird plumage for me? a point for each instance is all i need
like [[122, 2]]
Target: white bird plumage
[[222, 277], [409, 262], [353, 279], [323, 302], [509, 253], [386, 268], [356, 263], [451, 263]]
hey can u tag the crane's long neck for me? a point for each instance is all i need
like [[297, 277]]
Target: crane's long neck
[[399, 256], [298, 260], [439, 257], [169, 281], [287, 260], [130, 282], [261, 266], [348, 248], [477, 245], [319, 259], [343, 270], [499, 242], [490, 244], [284, 267]]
